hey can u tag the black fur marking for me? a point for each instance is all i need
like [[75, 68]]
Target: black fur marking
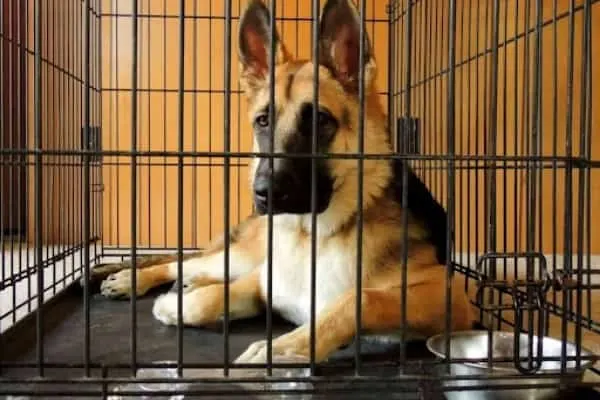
[[423, 207], [345, 119], [292, 177], [288, 85]]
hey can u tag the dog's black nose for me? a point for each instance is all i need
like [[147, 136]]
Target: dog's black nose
[[261, 190]]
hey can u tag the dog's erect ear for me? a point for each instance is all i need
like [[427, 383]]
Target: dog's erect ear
[[339, 44], [254, 45]]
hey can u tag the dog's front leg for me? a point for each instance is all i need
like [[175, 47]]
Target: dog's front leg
[[206, 304], [245, 253], [381, 312]]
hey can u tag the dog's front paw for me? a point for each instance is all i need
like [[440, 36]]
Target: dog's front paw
[[291, 346], [119, 285], [165, 308], [200, 306]]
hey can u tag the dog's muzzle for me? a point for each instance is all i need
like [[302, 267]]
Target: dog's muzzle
[[282, 186]]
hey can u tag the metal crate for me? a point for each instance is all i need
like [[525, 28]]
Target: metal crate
[[123, 135]]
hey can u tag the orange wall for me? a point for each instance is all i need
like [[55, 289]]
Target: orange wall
[[203, 195], [473, 122], [61, 105]]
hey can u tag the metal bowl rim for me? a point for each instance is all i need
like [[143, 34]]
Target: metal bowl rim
[[585, 364]]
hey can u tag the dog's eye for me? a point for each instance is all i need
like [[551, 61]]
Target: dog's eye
[[324, 118], [262, 120]]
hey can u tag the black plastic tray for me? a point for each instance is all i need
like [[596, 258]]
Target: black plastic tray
[[110, 339]]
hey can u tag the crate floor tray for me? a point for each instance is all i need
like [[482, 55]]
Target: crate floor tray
[[110, 340]]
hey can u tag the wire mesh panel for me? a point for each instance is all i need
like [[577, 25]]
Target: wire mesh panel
[[496, 100], [456, 132], [48, 116]]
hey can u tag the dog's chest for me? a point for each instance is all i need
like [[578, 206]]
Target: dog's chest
[[291, 276]]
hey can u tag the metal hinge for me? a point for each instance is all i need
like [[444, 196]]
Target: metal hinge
[[91, 140]]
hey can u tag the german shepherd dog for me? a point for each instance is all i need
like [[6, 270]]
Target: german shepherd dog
[[336, 221]]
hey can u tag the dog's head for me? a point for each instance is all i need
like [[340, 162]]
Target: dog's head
[[337, 114]]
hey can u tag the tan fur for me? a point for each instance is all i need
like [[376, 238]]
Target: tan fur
[[382, 236], [380, 313]]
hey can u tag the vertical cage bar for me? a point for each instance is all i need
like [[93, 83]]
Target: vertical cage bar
[[76, 126], [568, 216], [2, 169], [180, 143], [226, 182], [427, 89], [537, 137], [436, 98], [271, 62], [516, 137], [61, 110], [111, 117], [313, 183], [194, 124], [490, 170], [134, 127], [450, 130], [361, 153], [28, 145], [96, 158], [240, 160], [297, 28], [13, 79], [504, 153], [86, 190], [390, 8], [2, 259], [37, 147], [468, 129], [164, 91], [79, 74], [539, 145], [407, 113], [52, 166], [554, 138], [484, 121], [21, 130], [38, 183], [46, 117], [71, 118], [528, 137], [442, 70], [477, 118], [420, 72], [428, 173], [210, 145], [149, 129], [588, 135], [398, 73], [114, 70], [461, 150], [2, 256], [392, 62], [583, 172]]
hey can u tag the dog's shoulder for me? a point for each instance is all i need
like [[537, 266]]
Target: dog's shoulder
[[421, 205]]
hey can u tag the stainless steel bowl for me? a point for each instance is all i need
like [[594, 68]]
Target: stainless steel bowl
[[474, 345]]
